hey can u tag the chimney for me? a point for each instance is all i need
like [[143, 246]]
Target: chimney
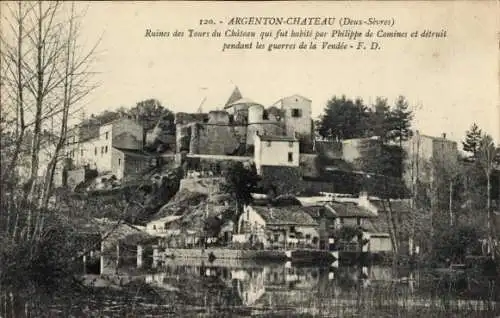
[[363, 194], [363, 198], [444, 135]]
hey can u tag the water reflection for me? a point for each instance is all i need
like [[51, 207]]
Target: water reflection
[[311, 288], [182, 287]]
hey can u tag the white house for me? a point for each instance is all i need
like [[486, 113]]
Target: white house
[[93, 145], [159, 227], [276, 151], [278, 225]]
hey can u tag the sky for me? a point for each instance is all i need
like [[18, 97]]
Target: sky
[[451, 82]]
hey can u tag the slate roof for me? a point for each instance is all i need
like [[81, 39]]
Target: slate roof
[[290, 215], [318, 212], [134, 152], [235, 95], [349, 209], [241, 101]]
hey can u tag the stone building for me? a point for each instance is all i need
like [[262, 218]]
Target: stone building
[[233, 130], [282, 151], [422, 152], [98, 146]]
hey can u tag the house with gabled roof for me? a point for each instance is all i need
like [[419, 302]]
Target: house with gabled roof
[[361, 214], [349, 213], [279, 226]]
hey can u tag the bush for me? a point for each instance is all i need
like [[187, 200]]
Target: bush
[[46, 263], [454, 243]]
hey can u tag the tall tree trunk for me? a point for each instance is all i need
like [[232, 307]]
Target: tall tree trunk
[[67, 83], [450, 203], [415, 191], [392, 232], [35, 148], [20, 126], [488, 208], [20, 123]]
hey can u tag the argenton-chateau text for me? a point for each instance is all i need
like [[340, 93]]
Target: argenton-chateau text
[[281, 21]]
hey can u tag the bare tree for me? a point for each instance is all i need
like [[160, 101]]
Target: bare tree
[[12, 80], [47, 72], [76, 84], [487, 152]]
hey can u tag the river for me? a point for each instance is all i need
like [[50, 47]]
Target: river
[[224, 288]]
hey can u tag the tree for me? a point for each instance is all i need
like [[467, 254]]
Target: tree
[[343, 119], [212, 226], [76, 83], [400, 118], [148, 112], [378, 119], [46, 73], [486, 155], [455, 243], [472, 141], [240, 182], [107, 116]]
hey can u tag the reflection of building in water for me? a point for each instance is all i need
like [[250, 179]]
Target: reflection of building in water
[[253, 284], [250, 284]]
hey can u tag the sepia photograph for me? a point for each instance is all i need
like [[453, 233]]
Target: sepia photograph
[[249, 159]]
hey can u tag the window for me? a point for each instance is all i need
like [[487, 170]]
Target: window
[[265, 115], [95, 151], [119, 161], [106, 149], [107, 135], [81, 152], [102, 150], [72, 153], [290, 144], [269, 143], [296, 112], [290, 157]]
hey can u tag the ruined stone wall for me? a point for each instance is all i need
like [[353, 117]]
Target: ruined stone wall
[[187, 118], [308, 165], [183, 137], [218, 117], [329, 149], [211, 139], [355, 150]]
